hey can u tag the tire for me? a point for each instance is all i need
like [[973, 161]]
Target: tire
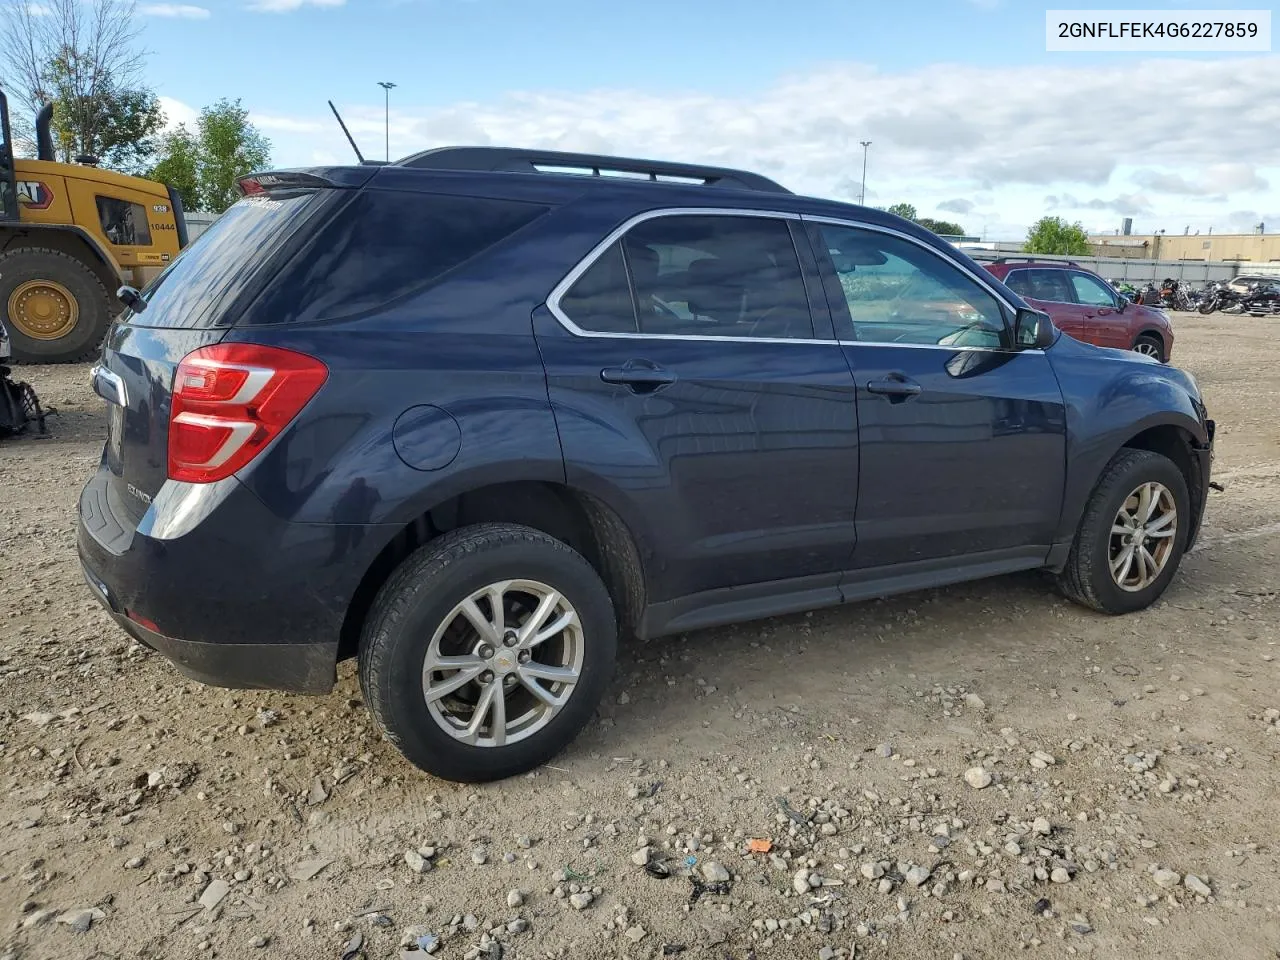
[[89, 300], [1208, 306], [1150, 345], [421, 599], [1087, 577]]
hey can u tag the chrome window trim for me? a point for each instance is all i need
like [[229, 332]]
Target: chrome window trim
[[587, 262], [939, 346], [596, 252]]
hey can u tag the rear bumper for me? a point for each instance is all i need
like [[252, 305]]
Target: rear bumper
[[296, 667], [232, 594]]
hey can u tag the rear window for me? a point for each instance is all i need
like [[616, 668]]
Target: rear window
[[384, 246], [200, 285]]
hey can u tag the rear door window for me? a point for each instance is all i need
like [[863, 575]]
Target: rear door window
[[1049, 286]]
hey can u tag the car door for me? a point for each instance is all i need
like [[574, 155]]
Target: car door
[[962, 435], [1047, 289], [1103, 322], [692, 388]]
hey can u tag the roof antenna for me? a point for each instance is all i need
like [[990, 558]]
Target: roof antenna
[[350, 139]]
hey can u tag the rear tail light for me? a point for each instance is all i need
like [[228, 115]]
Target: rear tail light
[[232, 399]]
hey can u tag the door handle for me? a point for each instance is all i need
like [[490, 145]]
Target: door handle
[[896, 387], [640, 376]]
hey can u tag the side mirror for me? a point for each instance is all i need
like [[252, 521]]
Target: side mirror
[[1122, 303], [1034, 329]]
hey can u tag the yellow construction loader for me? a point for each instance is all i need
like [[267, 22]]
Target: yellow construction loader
[[70, 236]]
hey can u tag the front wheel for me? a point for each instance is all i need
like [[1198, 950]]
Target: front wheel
[[486, 652], [1149, 346], [1132, 535], [1208, 306], [58, 310]]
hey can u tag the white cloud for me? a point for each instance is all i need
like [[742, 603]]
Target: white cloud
[[39, 10], [180, 11], [1006, 136], [288, 6], [269, 123], [176, 112], [959, 205], [1217, 180]]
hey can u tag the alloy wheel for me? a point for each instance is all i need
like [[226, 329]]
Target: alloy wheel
[[1142, 536], [1147, 349], [503, 663]]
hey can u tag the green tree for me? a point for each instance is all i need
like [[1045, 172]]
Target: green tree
[[119, 126], [205, 166], [230, 147], [941, 227], [904, 210], [180, 165], [85, 58], [1055, 235]]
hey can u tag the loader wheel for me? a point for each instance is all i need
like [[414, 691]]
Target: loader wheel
[[57, 308]]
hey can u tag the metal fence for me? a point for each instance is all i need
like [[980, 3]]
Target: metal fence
[[1135, 271], [198, 223]]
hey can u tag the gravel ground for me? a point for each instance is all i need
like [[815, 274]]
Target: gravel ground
[[976, 772]]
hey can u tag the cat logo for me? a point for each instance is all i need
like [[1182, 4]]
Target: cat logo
[[34, 195], [160, 207]]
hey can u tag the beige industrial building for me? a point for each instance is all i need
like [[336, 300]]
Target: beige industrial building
[[1231, 247]]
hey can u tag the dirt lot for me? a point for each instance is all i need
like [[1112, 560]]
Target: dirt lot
[[1126, 754]]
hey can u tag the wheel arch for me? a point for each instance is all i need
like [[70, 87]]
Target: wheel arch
[[68, 239], [1154, 333], [575, 517], [1170, 433]]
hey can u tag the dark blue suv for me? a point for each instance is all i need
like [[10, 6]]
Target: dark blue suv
[[472, 415]]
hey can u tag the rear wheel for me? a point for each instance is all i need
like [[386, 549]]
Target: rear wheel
[[487, 651], [58, 310], [1132, 535], [1149, 345]]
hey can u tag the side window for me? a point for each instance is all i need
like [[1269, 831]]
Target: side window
[[1048, 285], [600, 299], [899, 292], [1091, 291], [1019, 281], [726, 276], [384, 246], [124, 223]]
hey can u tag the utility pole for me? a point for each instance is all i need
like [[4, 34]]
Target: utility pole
[[862, 199], [387, 88]]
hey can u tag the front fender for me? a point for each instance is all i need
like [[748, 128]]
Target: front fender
[[1112, 397]]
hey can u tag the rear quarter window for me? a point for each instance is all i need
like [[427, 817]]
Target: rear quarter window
[[201, 285], [383, 246]]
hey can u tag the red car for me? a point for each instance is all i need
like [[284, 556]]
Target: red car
[[1086, 307]]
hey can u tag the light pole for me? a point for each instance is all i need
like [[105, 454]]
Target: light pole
[[387, 87], [862, 200]]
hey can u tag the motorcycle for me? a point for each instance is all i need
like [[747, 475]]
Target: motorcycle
[[1127, 290], [1174, 296], [19, 405], [1260, 300]]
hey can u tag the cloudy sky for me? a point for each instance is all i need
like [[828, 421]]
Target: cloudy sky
[[968, 117]]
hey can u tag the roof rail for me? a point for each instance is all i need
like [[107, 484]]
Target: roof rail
[[1061, 263], [514, 160]]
